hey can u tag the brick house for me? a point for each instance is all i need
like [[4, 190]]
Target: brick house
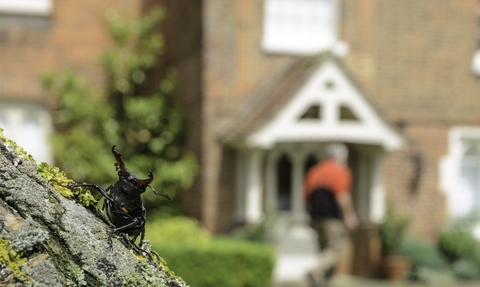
[[268, 83], [409, 63], [272, 71]]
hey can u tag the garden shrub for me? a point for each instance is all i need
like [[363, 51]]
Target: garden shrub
[[179, 230], [422, 254], [221, 262], [392, 231], [456, 244], [466, 269]]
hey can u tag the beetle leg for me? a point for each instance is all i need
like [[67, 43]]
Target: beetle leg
[[142, 233], [135, 221], [100, 196], [96, 186]]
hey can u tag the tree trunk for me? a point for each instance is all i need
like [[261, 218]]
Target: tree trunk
[[49, 240]]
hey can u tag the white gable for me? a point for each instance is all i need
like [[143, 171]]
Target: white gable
[[330, 89]]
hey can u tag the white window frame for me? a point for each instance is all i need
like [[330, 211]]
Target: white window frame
[[460, 139], [284, 36], [476, 56], [14, 117], [26, 7]]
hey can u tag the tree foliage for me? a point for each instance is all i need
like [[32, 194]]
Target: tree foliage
[[145, 125]]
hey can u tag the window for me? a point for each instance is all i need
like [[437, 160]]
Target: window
[[299, 26], [309, 163], [26, 7], [313, 113], [460, 173], [469, 189], [476, 56], [28, 125], [346, 114]]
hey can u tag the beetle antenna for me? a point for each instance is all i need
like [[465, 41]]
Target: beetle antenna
[[161, 194]]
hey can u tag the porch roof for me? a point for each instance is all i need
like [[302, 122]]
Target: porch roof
[[273, 114]]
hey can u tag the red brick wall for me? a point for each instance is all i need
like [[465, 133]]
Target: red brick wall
[[413, 58], [73, 36], [226, 202], [422, 201]]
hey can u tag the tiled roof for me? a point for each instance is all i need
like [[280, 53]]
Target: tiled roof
[[272, 97]]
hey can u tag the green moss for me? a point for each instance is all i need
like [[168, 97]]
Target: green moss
[[76, 273], [29, 236], [60, 182], [132, 279], [13, 145], [12, 259], [149, 276], [139, 257], [160, 261], [167, 270]]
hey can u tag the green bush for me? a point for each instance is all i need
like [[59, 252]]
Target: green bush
[[225, 263], [457, 244], [255, 233], [392, 231], [179, 230], [466, 269], [202, 261], [422, 254]]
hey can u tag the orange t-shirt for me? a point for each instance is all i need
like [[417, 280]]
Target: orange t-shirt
[[328, 174]]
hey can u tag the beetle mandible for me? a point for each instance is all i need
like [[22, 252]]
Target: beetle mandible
[[123, 200]]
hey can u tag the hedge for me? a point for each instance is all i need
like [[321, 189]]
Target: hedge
[[204, 261], [225, 263]]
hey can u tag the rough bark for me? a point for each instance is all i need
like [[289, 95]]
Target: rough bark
[[49, 240]]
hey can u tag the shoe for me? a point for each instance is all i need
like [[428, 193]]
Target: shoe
[[316, 281]]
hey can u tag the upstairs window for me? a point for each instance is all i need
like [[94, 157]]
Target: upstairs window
[[26, 7], [299, 26]]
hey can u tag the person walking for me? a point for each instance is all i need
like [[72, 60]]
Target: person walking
[[329, 203]]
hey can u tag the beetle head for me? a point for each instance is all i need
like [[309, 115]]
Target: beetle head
[[130, 182]]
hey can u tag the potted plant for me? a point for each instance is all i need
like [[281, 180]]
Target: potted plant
[[392, 233]]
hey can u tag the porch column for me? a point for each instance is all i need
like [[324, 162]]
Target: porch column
[[271, 187], [254, 186], [377, 193], [298, 204], [240, 185], [363, 179]]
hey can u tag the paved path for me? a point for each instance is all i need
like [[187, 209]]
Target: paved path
[[346, 281], [349, 281]]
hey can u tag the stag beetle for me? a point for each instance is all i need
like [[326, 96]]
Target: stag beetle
[[123, 200]]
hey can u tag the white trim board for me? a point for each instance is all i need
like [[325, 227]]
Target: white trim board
[[286, 126], [27, 7]]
